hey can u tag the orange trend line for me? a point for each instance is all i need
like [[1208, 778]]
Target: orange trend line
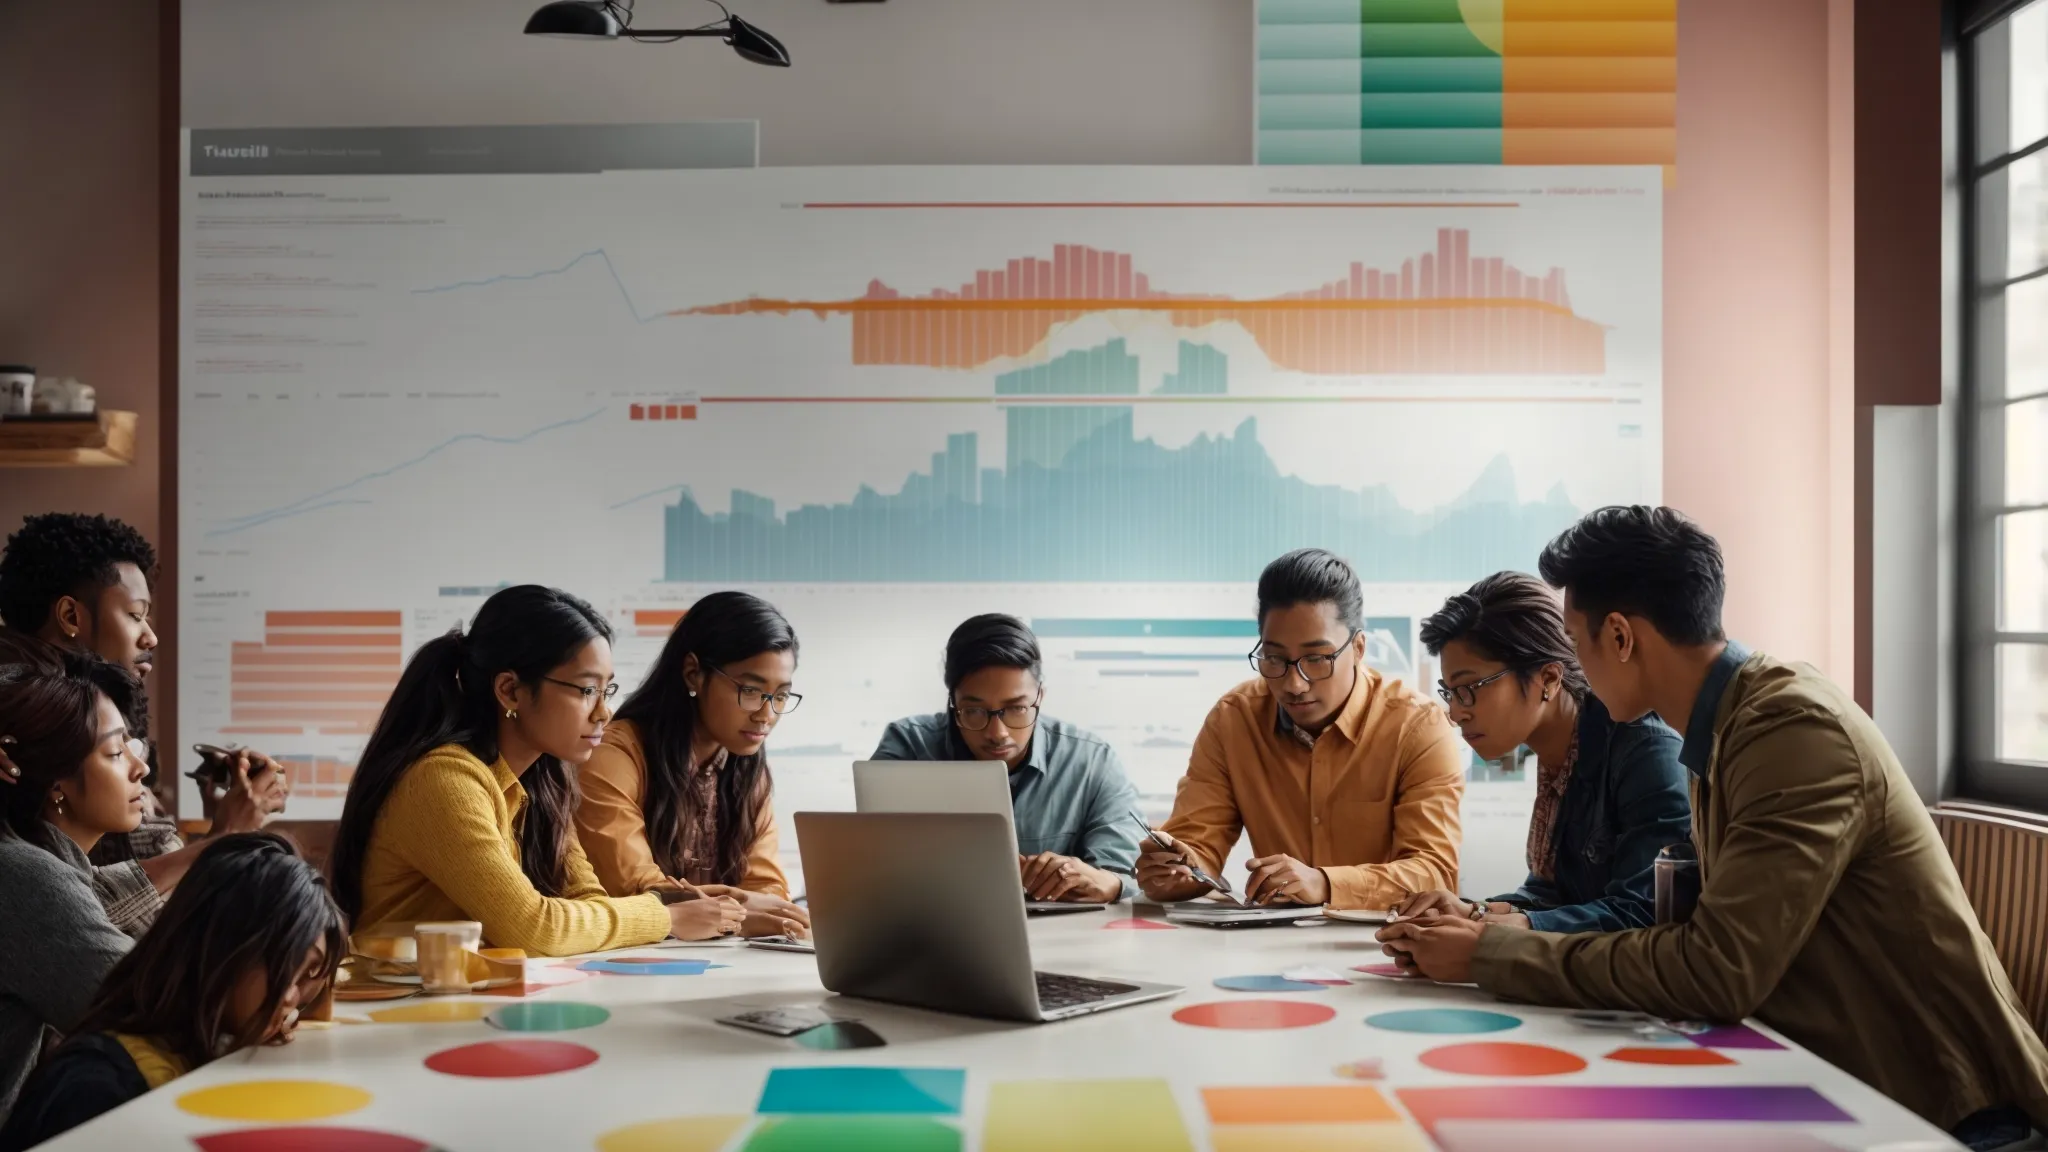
[[1013, 204]]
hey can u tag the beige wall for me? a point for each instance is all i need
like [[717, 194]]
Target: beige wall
[[78, 231], [1754, 410]]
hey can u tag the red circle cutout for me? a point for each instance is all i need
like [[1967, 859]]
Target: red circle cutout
[[1503, 1060], [308, 1139], [1256, 1014], [505, 1059]]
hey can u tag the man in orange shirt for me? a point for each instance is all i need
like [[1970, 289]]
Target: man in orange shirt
[[1348, 784]]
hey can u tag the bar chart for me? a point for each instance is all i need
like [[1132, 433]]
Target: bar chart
[[314, 672], [1468, 82], [1446, 311]]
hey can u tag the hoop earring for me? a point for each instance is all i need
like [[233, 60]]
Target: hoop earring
[[511, 713]]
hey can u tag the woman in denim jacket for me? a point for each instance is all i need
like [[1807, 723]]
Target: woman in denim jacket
[[1609, 796]]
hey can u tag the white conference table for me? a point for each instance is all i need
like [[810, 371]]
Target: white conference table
[[1134, 1079]]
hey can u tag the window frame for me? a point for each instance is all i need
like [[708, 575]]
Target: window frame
[[1983, 69]]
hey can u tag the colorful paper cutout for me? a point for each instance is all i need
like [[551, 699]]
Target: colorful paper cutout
[[548, 1016], [855, 1134], [855, 1090], [1737, 1037], [1267, 984], [648, 967], [1084, 1116], [1778, 1104], [682, 1134], [1256, 1015], [1373, 1069], [511, 1059], [1317, 1104], [1624, 1136], [1444, 1021], [1389, 1137], [308, 1140], [1670, 1057], [1142, 925], [432, 1012], [274, 1100], [1389, 971], [1503, 1060]]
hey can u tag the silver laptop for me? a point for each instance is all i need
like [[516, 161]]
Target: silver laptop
[[923, 909], [948, 786]]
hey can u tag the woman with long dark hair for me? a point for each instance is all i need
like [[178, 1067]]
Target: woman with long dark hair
[[462, 805], [679, 796], [1609, 796], [249, 936], [76, 779]]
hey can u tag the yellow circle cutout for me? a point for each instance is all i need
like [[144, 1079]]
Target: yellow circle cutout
[[433, 1012], [274, 1100], [684, 1134]]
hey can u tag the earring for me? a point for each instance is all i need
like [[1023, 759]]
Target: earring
[[60, 803], [693, 693], [1546, 696], [511, 713]]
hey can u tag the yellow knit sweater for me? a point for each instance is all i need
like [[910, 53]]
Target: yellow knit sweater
[[446, 847]]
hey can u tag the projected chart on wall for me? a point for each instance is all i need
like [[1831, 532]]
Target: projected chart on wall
[[887, 399]]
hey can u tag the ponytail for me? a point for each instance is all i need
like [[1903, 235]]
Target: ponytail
[[425, 711], [448, 695]]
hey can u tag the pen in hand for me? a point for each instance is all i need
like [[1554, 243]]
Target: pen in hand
[[1187, 861]]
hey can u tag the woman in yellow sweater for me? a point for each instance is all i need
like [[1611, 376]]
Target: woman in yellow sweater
[[678, 798], [462, 803]]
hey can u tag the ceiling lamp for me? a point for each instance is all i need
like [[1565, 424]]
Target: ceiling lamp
[[613, 20]]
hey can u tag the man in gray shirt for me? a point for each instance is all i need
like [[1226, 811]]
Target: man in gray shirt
[[1076, 838]]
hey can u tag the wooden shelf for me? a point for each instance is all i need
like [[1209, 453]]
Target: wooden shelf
[[108, 442]]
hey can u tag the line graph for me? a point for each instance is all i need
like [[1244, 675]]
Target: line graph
[[319, 500], [597, 254]]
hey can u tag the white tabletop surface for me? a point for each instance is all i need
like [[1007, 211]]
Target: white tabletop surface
[[661, 1056]]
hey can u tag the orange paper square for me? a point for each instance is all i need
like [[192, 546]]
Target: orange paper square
[[1322, 1104]]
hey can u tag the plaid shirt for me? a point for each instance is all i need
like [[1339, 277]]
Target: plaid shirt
[[131, 901]]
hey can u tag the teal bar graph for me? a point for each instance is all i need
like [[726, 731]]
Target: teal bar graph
[[1081, 498]]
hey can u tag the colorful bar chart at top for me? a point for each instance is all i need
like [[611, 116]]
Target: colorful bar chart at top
[[1468, 82]]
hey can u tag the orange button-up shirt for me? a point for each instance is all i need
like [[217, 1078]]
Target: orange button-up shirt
[[1372, 801]]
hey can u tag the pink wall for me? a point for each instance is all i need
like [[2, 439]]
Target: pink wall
[[78, 232], [1752, 447]]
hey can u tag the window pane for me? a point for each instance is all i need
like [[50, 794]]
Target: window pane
[[2023, 572], [2029, 75], [2026, 214], [2023, 702], [2026, 453], [2026, 338]]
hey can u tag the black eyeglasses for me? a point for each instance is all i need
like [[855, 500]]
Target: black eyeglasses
[[590, 691], [1467, 695], [1016, 716], [1319, 666], [750, 697]]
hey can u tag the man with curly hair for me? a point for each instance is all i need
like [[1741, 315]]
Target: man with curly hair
[[84, 582]]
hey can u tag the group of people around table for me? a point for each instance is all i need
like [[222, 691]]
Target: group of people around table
[[506, 783]]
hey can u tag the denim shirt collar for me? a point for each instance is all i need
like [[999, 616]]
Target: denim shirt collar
[[1698, 750]]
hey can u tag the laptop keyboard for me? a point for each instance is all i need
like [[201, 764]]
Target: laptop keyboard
[[1056, 992]]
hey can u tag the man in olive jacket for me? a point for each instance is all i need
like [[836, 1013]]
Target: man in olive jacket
[[1829, 908]]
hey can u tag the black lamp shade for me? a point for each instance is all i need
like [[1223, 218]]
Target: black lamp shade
[[756, 45], [573, 20]]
